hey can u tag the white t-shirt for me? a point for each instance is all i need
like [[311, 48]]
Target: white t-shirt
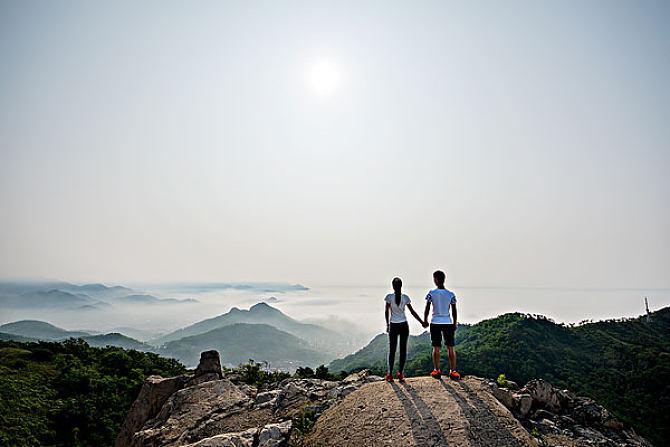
[[441, 300], [397, 312]]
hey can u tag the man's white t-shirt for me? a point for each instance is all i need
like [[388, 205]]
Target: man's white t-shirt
[[441, 299], [397, 312]]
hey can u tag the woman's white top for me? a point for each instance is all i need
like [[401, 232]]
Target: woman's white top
[[397, 312]]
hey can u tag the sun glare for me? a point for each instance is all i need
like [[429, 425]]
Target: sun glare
[[324, 77]]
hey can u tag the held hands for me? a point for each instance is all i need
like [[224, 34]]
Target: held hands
[[388, 327], [424, 323]]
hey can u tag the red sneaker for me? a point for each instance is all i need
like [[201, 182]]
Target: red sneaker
[[401, 377], [453, 375], [436, 374], [389, 378]]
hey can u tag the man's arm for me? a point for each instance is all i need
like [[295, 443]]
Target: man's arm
[[425, 312], [454, 313]]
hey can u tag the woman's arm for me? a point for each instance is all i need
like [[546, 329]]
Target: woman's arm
[[414, 314], [387, 311]]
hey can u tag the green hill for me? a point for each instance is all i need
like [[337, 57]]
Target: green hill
[[33, 330], [237, 343], [118, 340], [13, 337], [39, 330], [68, 393], [622, 364]]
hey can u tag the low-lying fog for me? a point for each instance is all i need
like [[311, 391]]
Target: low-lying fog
[[355, 310]]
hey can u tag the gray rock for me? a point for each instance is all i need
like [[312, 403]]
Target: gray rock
[[155, 391], [357, 376], [206, 377], [210, 363], [523, 403], [275, 435], [183, 414], [543, 414], [544, 395], [504, 395], [512, 385], [240, 439], [267, 399]]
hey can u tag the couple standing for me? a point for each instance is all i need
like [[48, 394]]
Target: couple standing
[[442, 325]]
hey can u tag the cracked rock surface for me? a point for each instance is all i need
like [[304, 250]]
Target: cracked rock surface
[[209, 409], [420, 412]]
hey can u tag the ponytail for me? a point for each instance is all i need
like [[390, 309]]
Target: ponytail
[[397, 287]]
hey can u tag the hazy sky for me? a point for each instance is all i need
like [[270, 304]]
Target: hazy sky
[[510, 143]]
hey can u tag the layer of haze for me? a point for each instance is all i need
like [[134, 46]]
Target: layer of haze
[[510, 143]]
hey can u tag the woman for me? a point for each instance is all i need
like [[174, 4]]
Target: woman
[[396, 326]]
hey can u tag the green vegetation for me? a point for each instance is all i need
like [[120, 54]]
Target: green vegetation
[[253, 373], [321, 372], [504, 383], [622, 364], [69, 393], [259, 374]]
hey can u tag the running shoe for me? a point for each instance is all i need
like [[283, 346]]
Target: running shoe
[[389, 378], [401, 377], [453, 375], [436, 374]]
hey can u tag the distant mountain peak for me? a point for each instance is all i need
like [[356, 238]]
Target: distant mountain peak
[[264, 308]]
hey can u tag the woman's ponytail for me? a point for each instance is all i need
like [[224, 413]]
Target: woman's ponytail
[[397, 288]]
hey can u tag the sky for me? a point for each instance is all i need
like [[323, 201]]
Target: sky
[[510, 143]]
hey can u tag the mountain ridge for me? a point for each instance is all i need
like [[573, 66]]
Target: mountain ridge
[[36, 330], [259, 313], [240, 342]]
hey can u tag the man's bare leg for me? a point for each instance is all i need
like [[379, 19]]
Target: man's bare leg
[[452, 357], [436, 357]]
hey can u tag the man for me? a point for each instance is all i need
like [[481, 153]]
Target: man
[[442, 324]]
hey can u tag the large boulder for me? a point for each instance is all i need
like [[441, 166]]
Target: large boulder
[[187, 410], [209, 367], [504, 395], [544, 395], [155, 391], [275, 435]]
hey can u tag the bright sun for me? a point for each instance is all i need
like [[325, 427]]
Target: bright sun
[[324, 77]]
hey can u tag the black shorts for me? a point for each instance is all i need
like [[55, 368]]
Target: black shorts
[[437, 331]]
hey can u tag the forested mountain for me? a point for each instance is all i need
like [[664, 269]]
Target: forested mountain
[[39, 330], [68, 393], [623, 364], [263, 313], [240, 342], [118, 340], [33, 330]]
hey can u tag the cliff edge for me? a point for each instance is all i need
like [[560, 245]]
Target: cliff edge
[[208, 409]]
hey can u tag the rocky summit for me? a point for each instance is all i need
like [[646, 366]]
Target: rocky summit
[[209, 409]]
